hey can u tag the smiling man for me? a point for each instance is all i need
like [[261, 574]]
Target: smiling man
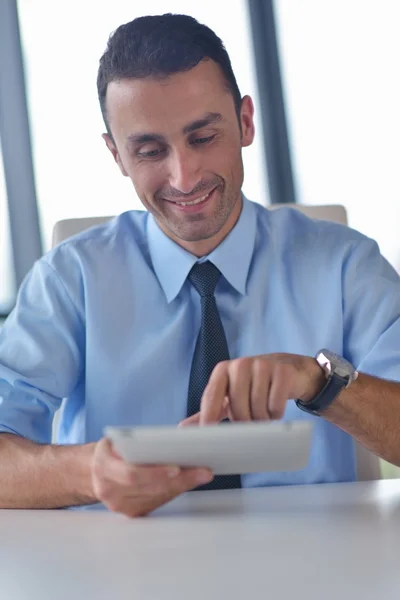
[[203, 307], [183, 154]]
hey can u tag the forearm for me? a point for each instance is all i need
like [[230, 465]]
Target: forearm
[[44, 476], [369, 410]]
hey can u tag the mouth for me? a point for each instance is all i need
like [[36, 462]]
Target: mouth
[[193, 205]]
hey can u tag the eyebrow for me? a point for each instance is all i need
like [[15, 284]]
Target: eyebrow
[[143, 138], [208, 119]]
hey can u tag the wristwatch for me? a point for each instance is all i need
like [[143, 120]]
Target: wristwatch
[[339, 374]]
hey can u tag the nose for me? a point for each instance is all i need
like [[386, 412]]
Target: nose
[[184, 171]]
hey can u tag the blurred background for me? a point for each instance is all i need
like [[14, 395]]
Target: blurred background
[[322, 75]]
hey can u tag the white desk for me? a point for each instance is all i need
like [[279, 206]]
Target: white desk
[[237, 545]]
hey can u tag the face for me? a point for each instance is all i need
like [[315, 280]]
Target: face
[[178, 139]]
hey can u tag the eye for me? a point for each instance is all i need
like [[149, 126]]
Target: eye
[[151, 153], [204, 140]]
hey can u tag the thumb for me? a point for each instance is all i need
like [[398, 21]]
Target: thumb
[[193, 420]]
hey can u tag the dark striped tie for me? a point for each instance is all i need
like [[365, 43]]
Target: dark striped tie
[[211, 348]]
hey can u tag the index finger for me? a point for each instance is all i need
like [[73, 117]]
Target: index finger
[[212, 402]]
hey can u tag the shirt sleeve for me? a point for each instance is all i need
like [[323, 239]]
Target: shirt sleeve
[[371, 312], [41, 350]]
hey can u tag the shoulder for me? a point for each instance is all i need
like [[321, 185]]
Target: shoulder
[[290, 229], [78, 265], [322, 247], [105, 242]]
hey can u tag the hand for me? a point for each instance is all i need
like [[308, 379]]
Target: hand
[[136, 490], [257, 388]]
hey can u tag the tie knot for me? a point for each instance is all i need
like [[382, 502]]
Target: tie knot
[[204, 277]]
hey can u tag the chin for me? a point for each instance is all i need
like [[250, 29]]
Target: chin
[[198, 235]]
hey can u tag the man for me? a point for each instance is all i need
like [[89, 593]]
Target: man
[[110, 319]]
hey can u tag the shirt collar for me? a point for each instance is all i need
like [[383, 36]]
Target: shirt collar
[[172, 263]]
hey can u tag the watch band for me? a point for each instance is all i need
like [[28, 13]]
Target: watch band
[[333, 386]]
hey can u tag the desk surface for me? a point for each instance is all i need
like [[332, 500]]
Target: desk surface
[[239, 544]]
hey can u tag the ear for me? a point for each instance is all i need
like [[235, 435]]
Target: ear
[[247, 121], [113, 149]]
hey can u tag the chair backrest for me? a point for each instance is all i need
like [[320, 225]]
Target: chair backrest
[[68, 227], [328, 212], [368, 465]]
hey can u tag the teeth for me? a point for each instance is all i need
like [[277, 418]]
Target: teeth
[[193, 201]]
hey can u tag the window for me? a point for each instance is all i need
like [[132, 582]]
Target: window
[[339, 62], [340, 72], [7, 283], [75, 175]]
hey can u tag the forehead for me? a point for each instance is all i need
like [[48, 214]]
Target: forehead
[[159, 104]]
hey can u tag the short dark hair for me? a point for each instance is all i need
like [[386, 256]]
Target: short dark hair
[[158, 46]]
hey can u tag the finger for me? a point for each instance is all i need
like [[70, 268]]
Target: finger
[[151, 478], [142, 477], [260, 385], [191, 478], [240, 374], [134, 504], [226, 411], [163, 491], [193, 420], [212, 401], [161, 479], [112, 469], [187, 479], [106, 462], [278, 394]]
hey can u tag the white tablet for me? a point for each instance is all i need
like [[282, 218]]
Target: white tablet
[[225, 448]]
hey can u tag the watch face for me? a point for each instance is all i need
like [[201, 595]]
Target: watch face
[[335, 363]]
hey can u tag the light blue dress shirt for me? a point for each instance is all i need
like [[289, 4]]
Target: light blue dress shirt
[[109, 321]]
